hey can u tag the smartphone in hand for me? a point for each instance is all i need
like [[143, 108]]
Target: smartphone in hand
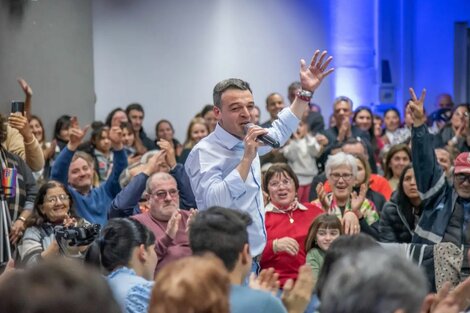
[[17, 106]]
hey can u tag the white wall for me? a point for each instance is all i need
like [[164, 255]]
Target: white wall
[[168, 55]]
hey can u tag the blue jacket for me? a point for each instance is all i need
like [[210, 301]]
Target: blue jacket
[[438, 195], [93, 206], [126, 202]]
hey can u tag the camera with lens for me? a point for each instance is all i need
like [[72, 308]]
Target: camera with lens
[[77, 235]]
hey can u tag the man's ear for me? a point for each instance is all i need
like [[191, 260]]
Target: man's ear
[[245, 254], [217, 111], [142, 253]]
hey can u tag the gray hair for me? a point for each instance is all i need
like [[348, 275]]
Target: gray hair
[[161, 176], [389, 283], [343, 98], [231, 83], [339, 159]]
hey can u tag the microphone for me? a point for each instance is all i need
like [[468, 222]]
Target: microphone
[[266, 139]]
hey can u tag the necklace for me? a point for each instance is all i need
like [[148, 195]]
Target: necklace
[[290, 215]]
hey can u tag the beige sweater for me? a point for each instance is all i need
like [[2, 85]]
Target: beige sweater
[[31, 152]]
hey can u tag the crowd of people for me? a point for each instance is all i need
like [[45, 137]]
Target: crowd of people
[[366, 214]]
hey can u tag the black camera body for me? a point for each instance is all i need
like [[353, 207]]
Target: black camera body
[[77, 235]]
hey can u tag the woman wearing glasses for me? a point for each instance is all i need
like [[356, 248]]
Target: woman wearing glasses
[[287, 223], [341, 172], [52, 207]]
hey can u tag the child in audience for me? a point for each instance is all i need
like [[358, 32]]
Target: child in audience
[[323, 231], [132, 144], [301, 153], [101, 152]]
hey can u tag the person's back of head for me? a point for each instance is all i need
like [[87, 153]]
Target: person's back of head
[[196, 284], [56, 286], [342, 246], [372, 281], [220, 231]]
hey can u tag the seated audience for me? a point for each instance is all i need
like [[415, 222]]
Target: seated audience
[[53, 206], [126, 250], [401, 214], [61, 131], [193, 284], [323, 231], [75, 170], [363, 178], [341, 171], [397, 157], [165, 219], [363, 119], [132, 144], [54, 287], [287, 222], [455, 134]]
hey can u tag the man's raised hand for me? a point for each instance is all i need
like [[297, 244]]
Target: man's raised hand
[[416, 107], [312, 76]]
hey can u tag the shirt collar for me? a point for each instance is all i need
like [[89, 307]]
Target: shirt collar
[[271, 208], [227, 139]]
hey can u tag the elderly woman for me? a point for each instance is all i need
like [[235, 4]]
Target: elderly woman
[[341, 172], [52, 207], [287, 223], [401, 214]]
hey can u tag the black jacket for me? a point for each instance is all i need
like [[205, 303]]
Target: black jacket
[[394, 224]]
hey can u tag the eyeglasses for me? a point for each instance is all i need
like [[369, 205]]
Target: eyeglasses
[[162, 194], [336, 176], [54, 199], [277, 184], [461, 178]]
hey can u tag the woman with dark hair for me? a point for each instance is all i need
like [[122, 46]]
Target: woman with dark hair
[[287, 222], [164, 131], [52, 207], [49, 149], [116, 117], [125, 250], [207, 113], [454, 135], [61, 131], [101, 151], [364, 120], [396, 159], [401, 214]]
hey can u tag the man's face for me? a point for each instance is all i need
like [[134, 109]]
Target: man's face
[[354, 149], [443, 158], [80, 174], [274, 105], [235, 111], [292, 94], [342, 111], [164, 200], [444, 101], [136, 118], [462, 185]]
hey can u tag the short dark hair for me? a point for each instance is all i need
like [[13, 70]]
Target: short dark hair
[[110, 116], [207, 108], [115, 245], [231, 83], [61, 123], [279, 168], [134, 106], [294, 85], [220, 231], [55, 286]]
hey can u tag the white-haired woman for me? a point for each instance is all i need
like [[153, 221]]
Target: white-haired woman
[[341, 172]]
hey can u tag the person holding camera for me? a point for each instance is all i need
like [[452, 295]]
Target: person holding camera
[[52, 208]]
